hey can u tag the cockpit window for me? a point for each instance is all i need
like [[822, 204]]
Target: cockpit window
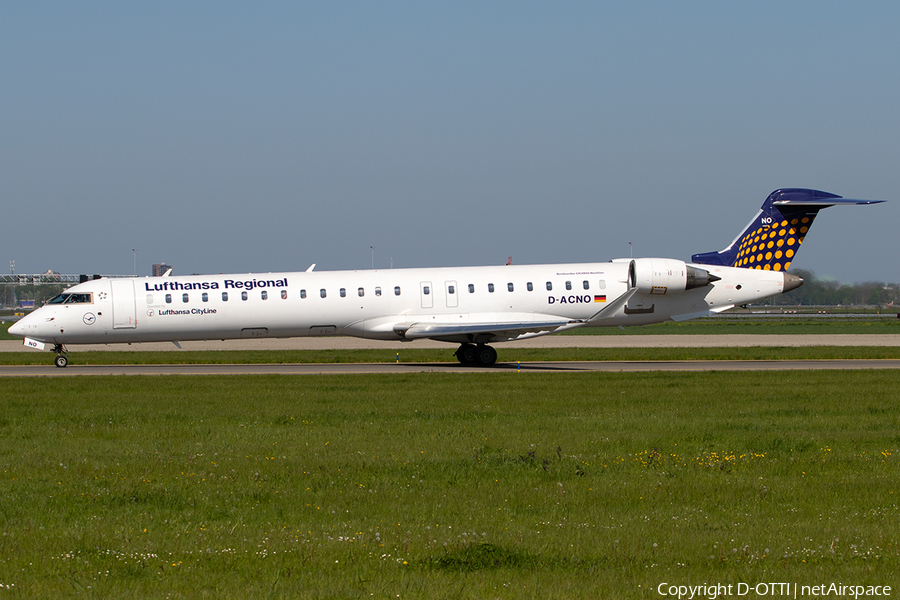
[[72, 299]]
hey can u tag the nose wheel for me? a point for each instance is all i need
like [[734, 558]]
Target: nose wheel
[[62, 358], [480, 355]]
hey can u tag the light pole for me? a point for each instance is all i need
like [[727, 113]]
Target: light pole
[[373, 256], [133, 262], [631, 249]]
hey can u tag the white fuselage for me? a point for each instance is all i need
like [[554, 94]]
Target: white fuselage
[[453, 304]]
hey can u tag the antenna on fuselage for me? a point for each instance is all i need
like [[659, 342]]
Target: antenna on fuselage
[[311, 267]]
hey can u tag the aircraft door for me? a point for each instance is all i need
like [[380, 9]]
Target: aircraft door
[[452, 295], [427, 292], [123, 301]]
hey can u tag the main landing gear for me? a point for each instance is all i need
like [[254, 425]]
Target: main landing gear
[[62, 356], [472, 355]]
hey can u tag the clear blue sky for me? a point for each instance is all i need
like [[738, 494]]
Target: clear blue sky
[[234, 137]]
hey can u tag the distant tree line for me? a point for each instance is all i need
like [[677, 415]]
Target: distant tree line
[[11, 293], [819, 292]]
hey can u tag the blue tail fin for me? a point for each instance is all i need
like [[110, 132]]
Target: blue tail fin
[[771, 240]]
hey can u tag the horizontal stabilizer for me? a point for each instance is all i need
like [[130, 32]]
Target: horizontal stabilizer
[[703, 313], [822, 203]]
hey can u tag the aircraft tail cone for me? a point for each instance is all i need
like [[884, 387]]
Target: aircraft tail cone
[[792, 282]]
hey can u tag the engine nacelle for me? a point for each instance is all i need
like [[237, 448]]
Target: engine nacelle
[[666, 275]]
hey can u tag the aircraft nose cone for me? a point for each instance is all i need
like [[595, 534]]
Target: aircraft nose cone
[[28, 326], [17, 329]]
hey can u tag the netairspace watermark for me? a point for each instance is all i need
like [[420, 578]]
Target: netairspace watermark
[[712, 591]]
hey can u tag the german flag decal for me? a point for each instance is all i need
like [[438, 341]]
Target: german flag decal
[[599, 298]]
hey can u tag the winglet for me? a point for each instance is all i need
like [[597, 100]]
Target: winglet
[[613, 307]]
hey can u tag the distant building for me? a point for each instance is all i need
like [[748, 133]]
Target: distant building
[[160, 269]]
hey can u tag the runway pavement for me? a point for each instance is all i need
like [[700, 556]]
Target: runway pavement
[[530, 367], [548, 341], [568, 341]]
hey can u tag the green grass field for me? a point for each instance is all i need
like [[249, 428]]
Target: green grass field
[[494, 485]]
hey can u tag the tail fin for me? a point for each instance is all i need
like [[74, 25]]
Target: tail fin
[[772, 238]]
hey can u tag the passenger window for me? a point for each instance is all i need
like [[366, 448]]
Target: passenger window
[[243, 295], [343, 292], [205, 297], [549, 287], [491, 288], [471, 288], [426, 290], [284, 294], [602, 284], [568, 285], [184, 298], [586, 284], [322, 293], [264, 295], [303, 293], [451, 289], [530, 287], [361, 292], [149, 299], [378, 291], [224, 296], [168, 298], [397, 290], [509, 286]]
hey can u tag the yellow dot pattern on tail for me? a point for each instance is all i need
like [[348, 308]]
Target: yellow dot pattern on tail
[[772, 247]]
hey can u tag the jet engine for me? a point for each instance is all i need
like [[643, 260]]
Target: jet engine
[[657, 276]]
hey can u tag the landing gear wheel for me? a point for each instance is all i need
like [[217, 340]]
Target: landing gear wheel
[[61, 359], [487, 356], [467, 355]]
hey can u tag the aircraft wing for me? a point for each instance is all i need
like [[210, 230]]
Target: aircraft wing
[[503, 327], [482, 329]]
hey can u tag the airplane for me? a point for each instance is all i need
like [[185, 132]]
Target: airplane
[[469, 306]]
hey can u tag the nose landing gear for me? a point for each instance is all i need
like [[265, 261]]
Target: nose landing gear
[[480, 355], [62, 356]]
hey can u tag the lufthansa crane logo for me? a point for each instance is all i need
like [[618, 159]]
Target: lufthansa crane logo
[[89, 319]]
